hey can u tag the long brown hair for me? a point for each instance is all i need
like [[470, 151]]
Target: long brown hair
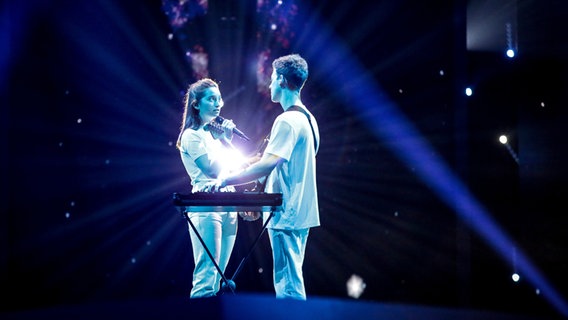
[[195, 92]]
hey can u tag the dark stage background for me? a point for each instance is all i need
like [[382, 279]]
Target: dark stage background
[[91, 108]]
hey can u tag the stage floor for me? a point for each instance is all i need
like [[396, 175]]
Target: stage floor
[[252, 306]]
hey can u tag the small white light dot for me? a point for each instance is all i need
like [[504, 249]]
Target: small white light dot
[[67, 215], [441, 72], [170, 36], [260, 270], [396, 213], [72, 203], [60, 144], [468, 92], [79, 120], [503, 139], [399, 90], [273, 27], [515, 277], [542, 104], [149, 242], [133, 260]]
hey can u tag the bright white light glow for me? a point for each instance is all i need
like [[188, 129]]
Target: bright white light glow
[[355, 286], [503, 139], [230, 160]]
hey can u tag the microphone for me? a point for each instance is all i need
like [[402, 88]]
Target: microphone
[[236, 131]]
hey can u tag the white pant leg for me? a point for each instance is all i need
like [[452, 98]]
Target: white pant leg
[[288, 249], [218, 230], [230, 226]]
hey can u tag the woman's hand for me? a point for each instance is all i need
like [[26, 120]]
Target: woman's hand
[[222, 130], [215, 185]]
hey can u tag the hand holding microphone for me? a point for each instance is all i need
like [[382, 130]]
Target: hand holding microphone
[[220, 125], [222, 130]]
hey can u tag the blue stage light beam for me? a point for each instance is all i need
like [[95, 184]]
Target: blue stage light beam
[[358, 89]]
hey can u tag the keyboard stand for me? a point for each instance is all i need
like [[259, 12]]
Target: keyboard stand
[[226, 284]]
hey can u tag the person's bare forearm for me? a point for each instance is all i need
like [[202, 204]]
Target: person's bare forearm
[[254, 172]]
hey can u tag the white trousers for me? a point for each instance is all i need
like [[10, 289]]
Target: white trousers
[[219, 231], [288, 249]]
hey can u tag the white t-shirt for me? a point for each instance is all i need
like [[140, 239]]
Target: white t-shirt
[[291, 138], [194, 144]]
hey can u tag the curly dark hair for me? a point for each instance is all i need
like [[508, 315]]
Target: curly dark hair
[[294, 69]]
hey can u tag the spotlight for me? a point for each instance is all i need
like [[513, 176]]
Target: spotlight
[[503, 139], [510, 53], [515, 277], [468, 92]]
